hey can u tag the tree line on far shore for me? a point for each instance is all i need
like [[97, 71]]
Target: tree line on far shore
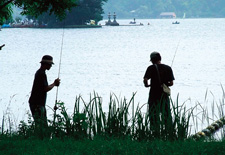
[[80, 12], [153, 8]]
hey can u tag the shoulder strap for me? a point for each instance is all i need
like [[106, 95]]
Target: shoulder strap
[[158, 73]]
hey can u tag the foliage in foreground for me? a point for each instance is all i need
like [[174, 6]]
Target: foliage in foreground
[[121, 120]]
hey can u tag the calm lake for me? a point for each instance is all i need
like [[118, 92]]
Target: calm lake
[[113, 60]]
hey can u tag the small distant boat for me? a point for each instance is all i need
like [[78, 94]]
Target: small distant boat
[[133, 22], [6, 26], [176, 22]]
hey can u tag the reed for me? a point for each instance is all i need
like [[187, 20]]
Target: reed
[[93, 121], [8, 126], [122, 119], [211, 122]]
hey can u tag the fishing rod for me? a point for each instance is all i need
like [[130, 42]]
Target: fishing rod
[[60, 61], [175, 52]]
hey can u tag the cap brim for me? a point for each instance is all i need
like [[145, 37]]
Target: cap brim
[[47, 62]]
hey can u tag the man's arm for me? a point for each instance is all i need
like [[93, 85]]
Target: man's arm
[[146, 82], [55, 83], [171, 78]]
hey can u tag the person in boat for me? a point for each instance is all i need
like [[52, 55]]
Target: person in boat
[[158, 74], [176, 22], [133, 22], [37, 100], [2, 46]]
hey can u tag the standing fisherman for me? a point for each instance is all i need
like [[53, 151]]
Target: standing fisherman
[[158, 74], [40, 88]]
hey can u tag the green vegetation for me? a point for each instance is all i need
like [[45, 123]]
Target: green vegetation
[[87, 10], [124, 129], [80, 12], [74, 12], [92, 121], [99, 145], [5, 12], [35, 7], [153, 8]]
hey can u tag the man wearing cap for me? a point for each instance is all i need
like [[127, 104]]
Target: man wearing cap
[[39, 91], [158, 74]]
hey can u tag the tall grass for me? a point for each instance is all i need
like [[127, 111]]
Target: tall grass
[[8, 124], [122, 119], [209, 121], [92, 121]]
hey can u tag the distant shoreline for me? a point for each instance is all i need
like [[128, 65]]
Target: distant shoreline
[[68, 26]]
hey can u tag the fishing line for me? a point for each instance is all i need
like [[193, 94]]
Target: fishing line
[[175, 53]]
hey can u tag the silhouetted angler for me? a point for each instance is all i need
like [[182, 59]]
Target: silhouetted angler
[[159, 74], [39, 91]]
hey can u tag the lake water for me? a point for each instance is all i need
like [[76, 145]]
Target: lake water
[[113, 60]]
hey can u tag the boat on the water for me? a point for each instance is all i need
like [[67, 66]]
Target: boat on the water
[[133, 22], [176, 22]]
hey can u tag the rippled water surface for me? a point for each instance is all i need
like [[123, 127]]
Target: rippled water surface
[[113, 60]]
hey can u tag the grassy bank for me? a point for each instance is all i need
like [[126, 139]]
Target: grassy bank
[[123, 129], [19, 146]]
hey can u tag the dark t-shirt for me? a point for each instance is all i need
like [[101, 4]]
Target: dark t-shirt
[[38, 93], [166, 75]]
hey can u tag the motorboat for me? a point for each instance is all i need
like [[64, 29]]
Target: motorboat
[[176, 22]]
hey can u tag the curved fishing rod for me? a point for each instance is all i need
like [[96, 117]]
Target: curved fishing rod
[[175, 53]]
